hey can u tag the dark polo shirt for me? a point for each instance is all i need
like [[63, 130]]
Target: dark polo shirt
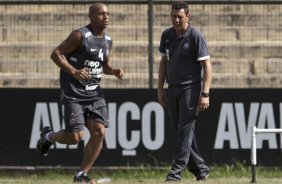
[[184, 54]]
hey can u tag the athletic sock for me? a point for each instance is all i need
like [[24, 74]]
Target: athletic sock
[[79, 173], [47, 137]]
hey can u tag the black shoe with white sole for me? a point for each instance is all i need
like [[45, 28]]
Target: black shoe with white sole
[[202, 176], [43, 145], [82, 178]]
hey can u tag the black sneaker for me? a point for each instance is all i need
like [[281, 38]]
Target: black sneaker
[[202, 177], [43, 145], [82, 178]]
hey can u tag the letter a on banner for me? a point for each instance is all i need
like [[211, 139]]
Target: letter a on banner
[[226, 121], [41, 116]]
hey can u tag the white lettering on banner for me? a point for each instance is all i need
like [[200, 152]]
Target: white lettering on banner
[[266, 120], [280, 112], [128, 145], [244, 132], [226, 119], [148, 142], [47, 114], [110, 136], [232, 119], [41, 119]]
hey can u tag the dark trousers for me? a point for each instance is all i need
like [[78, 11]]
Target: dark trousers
[[183, 103]]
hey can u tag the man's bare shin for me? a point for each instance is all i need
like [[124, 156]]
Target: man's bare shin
[[91, 153]]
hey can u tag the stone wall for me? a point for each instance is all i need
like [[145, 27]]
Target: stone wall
[[245, 42]]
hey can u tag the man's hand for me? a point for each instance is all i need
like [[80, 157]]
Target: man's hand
[[204, 103], [82, 74], [118, 72]]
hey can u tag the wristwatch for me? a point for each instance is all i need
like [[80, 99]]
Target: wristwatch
[[205, 94]]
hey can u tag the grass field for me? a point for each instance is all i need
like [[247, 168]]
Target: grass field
[[218, 175]]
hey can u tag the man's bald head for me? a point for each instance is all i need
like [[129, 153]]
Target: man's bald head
[[99, 16], [95, 7]]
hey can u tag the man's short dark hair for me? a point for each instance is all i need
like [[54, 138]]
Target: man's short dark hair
[[178, 5]]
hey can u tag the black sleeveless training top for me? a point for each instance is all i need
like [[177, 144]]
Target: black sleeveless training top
[[92, 54]]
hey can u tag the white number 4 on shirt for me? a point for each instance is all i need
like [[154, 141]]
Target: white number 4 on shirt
[[101, 54]]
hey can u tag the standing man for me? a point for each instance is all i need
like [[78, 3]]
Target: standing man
[[185, 58], [83, 57]]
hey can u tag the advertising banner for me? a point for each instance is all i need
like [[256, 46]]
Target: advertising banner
[[140, 131]]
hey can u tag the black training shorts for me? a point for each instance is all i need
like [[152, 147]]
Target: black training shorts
[[75, 114]]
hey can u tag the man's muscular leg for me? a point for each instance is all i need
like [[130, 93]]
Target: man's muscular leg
[[94, 145]]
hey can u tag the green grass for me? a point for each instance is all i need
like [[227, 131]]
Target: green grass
[[234, 174]]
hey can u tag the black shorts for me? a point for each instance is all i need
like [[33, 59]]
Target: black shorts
[[75, 114]]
